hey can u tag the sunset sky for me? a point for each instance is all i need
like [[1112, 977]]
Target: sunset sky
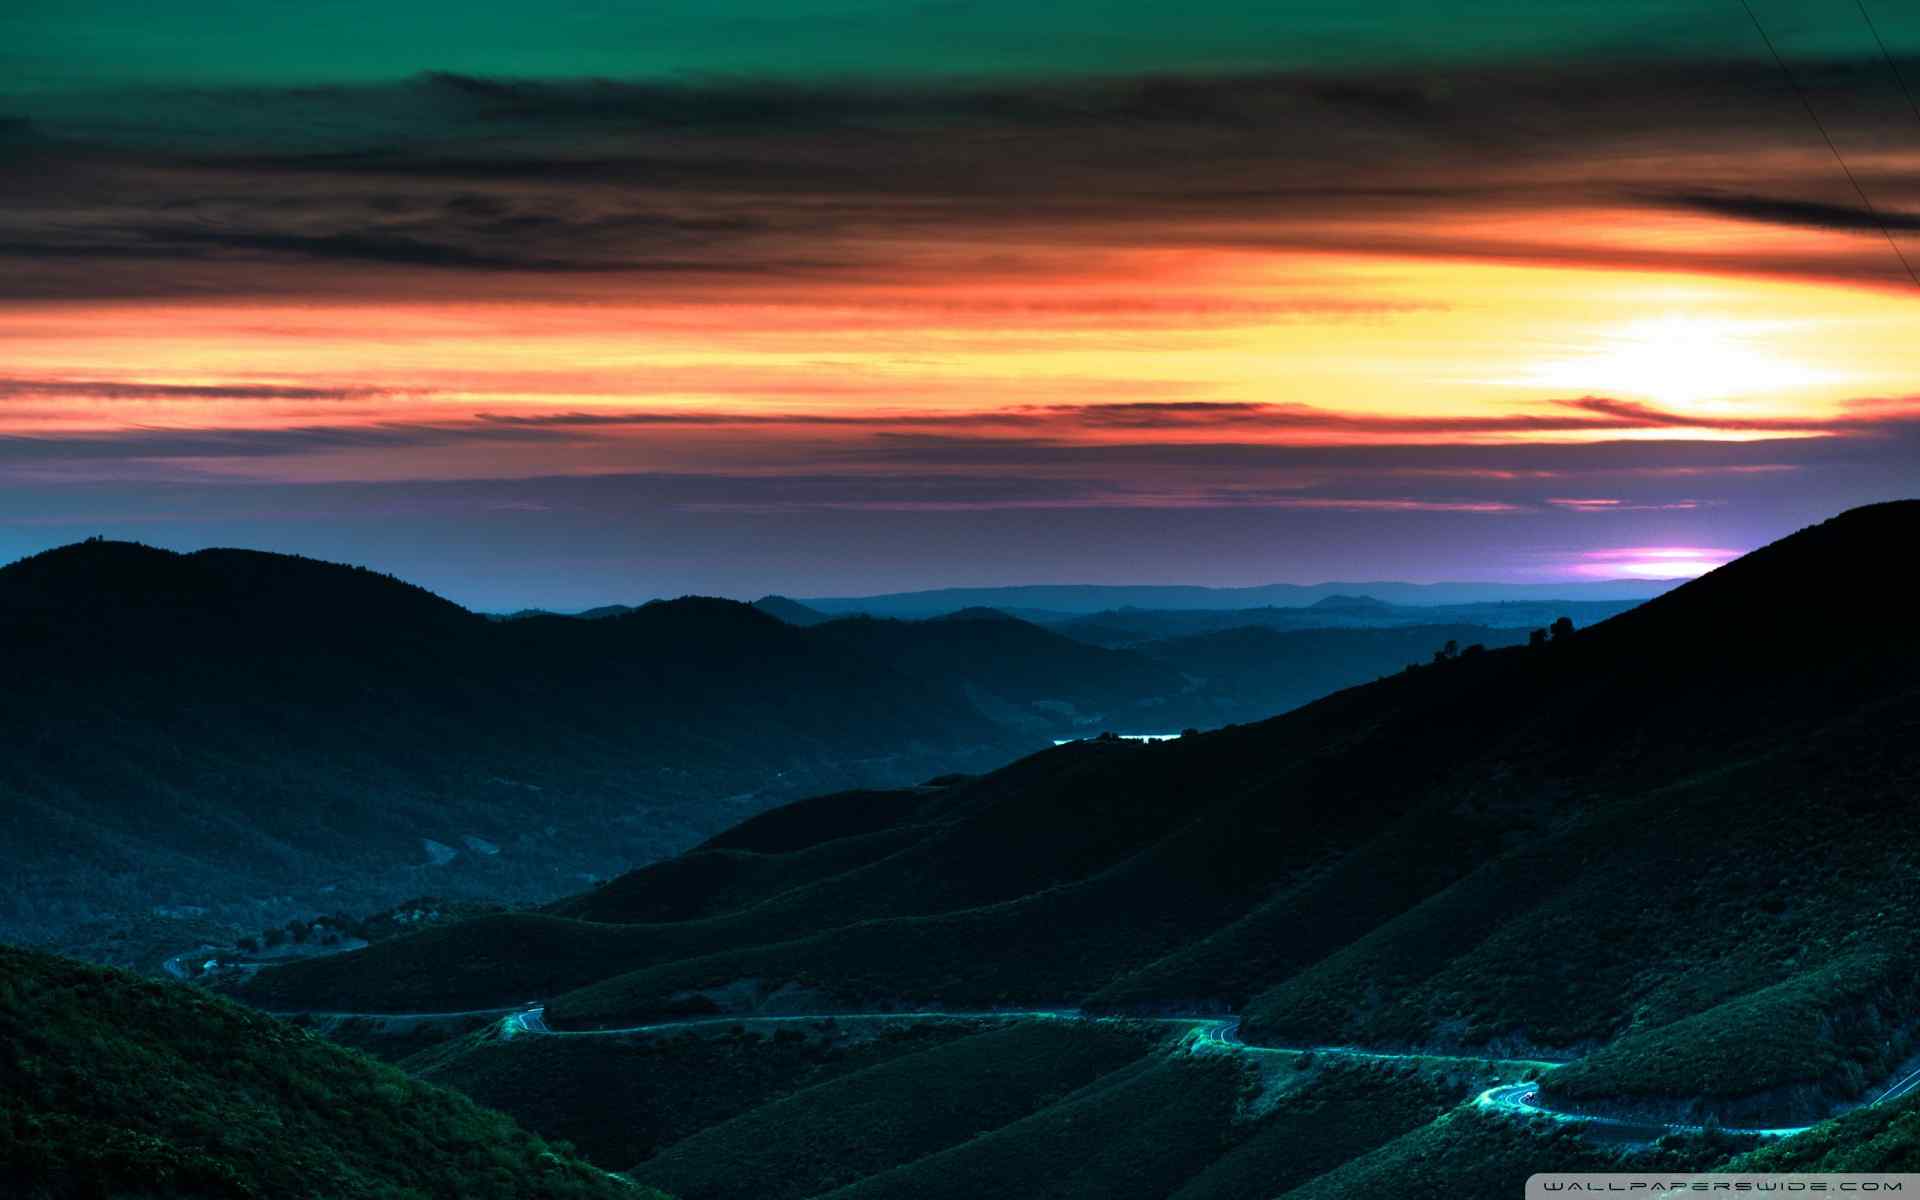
[[580, 302]]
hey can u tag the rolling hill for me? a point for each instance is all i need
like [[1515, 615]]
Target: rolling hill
[[1678, 848]]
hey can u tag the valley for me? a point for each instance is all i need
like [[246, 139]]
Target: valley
[[403, 747], [1673, 854]]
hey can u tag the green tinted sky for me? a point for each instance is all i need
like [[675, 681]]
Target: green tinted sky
[[52, 44]]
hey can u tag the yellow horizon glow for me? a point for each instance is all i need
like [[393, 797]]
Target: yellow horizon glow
[[1373, 337]]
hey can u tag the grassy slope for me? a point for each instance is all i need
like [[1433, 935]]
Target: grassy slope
[[1344, 1112], [1133, 1135], [394, 1041], [646, 1092], [1827, 1033], [714, 882], [817, 819], [841, 1131], [1465, 1152], [1711, 893], [114, 1085], [1052, 945], [1882, 1138], [1315, 915]]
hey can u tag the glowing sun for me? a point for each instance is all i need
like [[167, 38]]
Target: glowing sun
[[1680, 361]]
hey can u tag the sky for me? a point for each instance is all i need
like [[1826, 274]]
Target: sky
[[589, 302]]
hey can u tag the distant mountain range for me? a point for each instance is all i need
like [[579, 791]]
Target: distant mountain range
[[1049, 604], [1496, 623], [1045, 600], [1678, 851]]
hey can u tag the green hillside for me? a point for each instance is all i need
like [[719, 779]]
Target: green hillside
[[115, 1086], [650, 1092], [894, 1114], [1883, 1138]]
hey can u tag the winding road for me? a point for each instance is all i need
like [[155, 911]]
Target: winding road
[[1205, 1033], [1520, 1100], [1523, 1099]]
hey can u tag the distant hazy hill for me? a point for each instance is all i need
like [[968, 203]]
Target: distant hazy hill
[[1680, 846], [591, 614], [1254, 669], [1037, 602], [1140, 626], [1351, 604], [117, 1086]]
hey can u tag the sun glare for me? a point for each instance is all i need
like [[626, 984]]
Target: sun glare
[[1682, 361]]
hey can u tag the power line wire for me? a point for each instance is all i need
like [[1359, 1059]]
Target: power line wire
[[1898, 77], [1807, 103]]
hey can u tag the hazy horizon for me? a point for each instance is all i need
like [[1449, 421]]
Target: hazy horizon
[[1463, 589]]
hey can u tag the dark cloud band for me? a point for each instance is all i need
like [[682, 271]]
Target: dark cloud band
[[452, 174]]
